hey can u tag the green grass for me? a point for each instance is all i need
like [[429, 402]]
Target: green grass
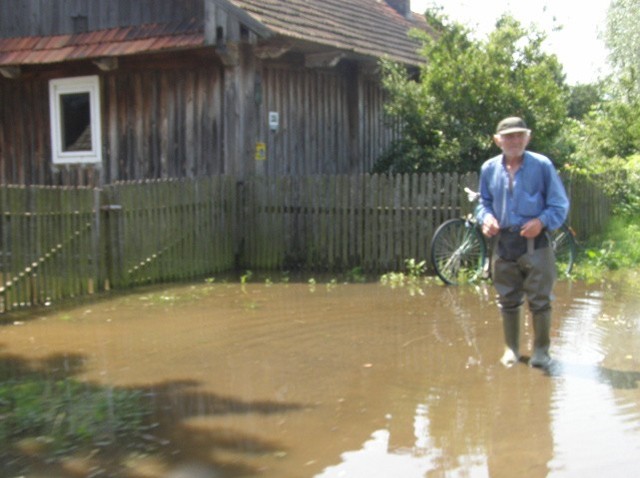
[[65, 413], [616, 250]]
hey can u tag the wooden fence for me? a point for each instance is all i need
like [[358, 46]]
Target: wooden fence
[[590, 207], [58, 243], [340, 222], [168, 230]]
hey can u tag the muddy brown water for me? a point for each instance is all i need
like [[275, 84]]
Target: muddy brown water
[[296, 380]]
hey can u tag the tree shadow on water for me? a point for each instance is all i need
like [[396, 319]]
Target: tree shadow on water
[[56, 425], [175, 402]]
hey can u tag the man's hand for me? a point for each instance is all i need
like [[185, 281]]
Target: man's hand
[[531, 228], [490, 226]]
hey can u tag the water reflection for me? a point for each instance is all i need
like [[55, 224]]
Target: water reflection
[[327, 380], [375, 459], [476, 418], [592, 409]]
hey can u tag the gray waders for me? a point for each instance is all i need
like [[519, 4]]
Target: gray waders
[[531, 275]]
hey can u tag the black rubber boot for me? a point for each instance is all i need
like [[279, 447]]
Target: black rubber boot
[[511, 327], [541, 339]]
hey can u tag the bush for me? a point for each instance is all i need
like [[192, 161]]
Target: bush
[[620, 181], [616, 250]]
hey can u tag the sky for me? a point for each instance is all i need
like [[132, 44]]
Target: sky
[[578, 44]]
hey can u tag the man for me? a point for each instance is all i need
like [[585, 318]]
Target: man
[[522, 197]]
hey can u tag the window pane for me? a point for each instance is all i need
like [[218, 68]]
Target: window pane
[[75, 112]]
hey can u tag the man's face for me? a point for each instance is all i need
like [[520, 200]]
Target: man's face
[[512, 144]]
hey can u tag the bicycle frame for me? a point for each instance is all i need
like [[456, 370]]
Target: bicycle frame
[[459, 250]]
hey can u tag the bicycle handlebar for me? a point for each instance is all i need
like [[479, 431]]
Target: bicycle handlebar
[[472, 195]]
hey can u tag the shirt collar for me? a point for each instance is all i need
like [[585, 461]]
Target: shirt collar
[[524, 159]]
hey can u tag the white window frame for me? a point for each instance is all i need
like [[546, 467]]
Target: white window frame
[[80, 84]]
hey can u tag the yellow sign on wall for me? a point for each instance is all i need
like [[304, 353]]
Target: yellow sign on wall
[[261, 151]]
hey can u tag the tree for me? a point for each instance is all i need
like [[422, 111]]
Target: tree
[[606, 141], [622, 38], [612, 127], [449, 112], [582, 98]]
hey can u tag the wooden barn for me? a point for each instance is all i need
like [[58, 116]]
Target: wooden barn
[[93, 92]]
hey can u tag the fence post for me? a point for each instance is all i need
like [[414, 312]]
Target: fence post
[[96, 241], [239, 227], [113, 244]]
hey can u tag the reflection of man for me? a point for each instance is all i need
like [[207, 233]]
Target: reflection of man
[[520, 440], [522, 197]]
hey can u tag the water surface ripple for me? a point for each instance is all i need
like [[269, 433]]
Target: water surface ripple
[[296, 380]]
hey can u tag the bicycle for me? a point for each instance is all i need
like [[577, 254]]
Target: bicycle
[[459, 251]]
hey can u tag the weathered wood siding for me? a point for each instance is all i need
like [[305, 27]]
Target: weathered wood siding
[[161, 118], [331, 121], [192, 113], [375, 132], [25, 147], [163, 122], [164, 117], [53, 17]]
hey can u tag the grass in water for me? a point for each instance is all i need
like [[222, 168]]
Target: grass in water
[[62, 414]]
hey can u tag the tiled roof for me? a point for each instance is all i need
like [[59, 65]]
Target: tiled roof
[[111, 42], [365, 27]]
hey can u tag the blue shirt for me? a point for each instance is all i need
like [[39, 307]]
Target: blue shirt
[[537, 192]]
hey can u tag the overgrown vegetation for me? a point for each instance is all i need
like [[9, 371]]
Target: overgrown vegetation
[[618, 249], [449, 112]]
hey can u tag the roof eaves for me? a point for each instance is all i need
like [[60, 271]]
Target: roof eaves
[[46, 50], [380, 31], [252, 23]]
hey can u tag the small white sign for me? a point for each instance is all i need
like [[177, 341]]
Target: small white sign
[[274, 120]]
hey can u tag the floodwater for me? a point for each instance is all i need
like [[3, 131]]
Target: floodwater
[[303, 380]]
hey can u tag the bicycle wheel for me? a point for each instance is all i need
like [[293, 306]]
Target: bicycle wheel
[[458, 252], [563, 242]]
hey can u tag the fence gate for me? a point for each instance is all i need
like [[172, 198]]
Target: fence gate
[[48, 244], [168, 230]]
